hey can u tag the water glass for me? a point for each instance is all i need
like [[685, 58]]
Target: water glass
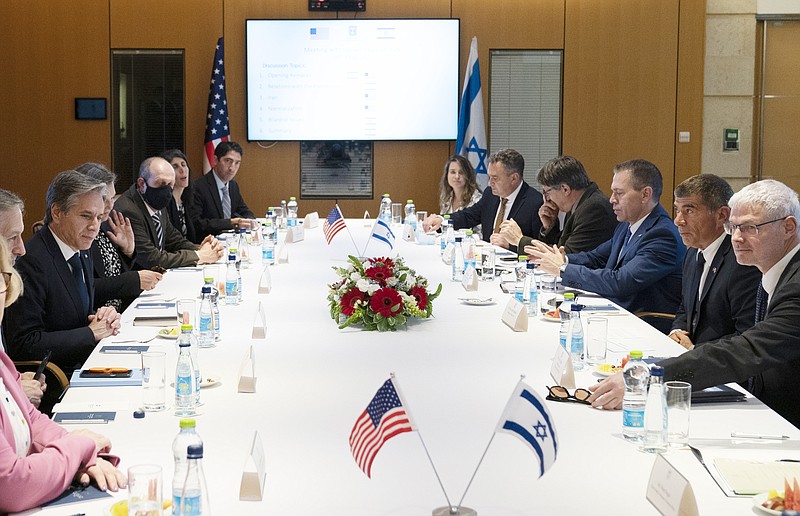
[[421, 216], [186, 312], [487, 263], [679, 404], [154, 380], [548, 293], [397, 213], [597, 329], [144, 490], [211, 271]]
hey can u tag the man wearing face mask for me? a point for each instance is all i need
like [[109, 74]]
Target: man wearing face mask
[[144, 203]]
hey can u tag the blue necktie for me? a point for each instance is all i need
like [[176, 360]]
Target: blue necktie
[[80, 283], [624, 244]]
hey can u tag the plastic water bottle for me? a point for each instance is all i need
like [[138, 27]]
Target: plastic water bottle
[[468, 248], [576, 345], [443, 236], [232, 279], [214, 297], [206, 319], [186, 437], [282, 215], [458, 261], [520, 272], [451, 232], [193, 499], [531, 294], [242, 249], [563, 313], [268, 245], [636, 374], [655, 414], [411, 215], [185, 381], [291, 214], [385, 211]]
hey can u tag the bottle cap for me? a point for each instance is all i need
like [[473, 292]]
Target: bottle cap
[[458, 239], [531, 265], [468, 232], [138, 414], [410, 201], [569, 295], [194, 451], [386, 195], [187, 422], [635, 354], [522, 258], [206, 289], [446, 217], [186, 327], [292, 198], [656, 371], [576, 307], [210, 281]]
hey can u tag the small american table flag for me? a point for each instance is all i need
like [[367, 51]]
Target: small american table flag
[[384, 418], [333, 224]]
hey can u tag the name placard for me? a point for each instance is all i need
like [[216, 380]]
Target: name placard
[[562, 371], [247, 372], [265, 283], [294, 234], [283, 253], [515, 315], [669, 491], [311, 221], [251, 487], [260, 323], [470, 279]]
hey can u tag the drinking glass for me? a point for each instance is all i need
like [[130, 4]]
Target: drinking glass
[[421, 216], [144, 490], [487, 263], [184, 307], [597, 329], [154, 380], [679, 405], [397, 213]]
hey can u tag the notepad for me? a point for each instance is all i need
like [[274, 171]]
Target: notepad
[[124, 350], [77, 494], [85, 417], [154, 320], [134, 379], [750, 477]]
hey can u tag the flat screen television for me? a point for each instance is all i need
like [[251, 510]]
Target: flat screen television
[[365, 79]]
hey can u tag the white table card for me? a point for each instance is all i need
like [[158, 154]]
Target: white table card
[[294, 234], [247, 372], [562, 370], [669, 491], [408, 232], [260, 323], [470, 279], [515, 315], [251, 487], [311, 221], [367, 221], [283, 253], [265, 283]]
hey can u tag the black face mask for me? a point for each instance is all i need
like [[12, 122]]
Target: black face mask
[[158, 198]]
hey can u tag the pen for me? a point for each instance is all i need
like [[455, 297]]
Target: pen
[[740, 435]]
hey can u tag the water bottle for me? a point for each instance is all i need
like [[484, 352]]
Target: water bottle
[[655, 414], [214, 297], [291, 214], [635, 374], [186, 437], [411, 215], [242, 249], [185, 381], [385, 211], [531, 293], [563, 313], [268, 245], [238, 264], [206, 319], [194, 492], [232, 279], [576, 346], [520, 272], [458, 261], [273, 217], [282, 216], [443, 236], [468, 248]]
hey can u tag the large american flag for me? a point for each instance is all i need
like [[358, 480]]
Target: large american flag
[[384, 418], [217, 127], [333, 224]]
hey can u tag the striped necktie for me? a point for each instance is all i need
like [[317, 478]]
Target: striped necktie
[[159, 230], [226, 202]]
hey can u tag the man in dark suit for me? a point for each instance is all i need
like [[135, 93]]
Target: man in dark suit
[[55, 313], [217, 204], [640, 267], [157, 240], [589, 219], [507, 197], [765, 233], [718, 296]]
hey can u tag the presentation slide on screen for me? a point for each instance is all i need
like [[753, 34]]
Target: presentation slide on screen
[[352, 79]]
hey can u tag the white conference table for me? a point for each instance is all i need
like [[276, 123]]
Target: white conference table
[[456, 372]]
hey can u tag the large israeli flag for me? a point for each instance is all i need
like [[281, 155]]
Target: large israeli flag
[[471, 140], [527, 418]]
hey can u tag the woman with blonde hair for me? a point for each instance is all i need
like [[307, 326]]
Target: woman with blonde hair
[[458, 188]]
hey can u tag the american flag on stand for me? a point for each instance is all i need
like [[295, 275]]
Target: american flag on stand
[[217, 127], [384, 418], [333, 224]]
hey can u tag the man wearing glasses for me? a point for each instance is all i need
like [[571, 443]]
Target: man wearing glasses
[[718, 293], [765, 233]]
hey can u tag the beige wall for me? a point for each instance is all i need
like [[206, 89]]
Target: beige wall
[[632, 79]]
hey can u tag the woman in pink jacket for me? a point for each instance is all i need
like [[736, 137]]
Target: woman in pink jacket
[[38, 458]]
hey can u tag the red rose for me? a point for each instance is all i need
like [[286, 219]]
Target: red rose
[[387, 302], [379, 273], [349, 300], [421, 295]]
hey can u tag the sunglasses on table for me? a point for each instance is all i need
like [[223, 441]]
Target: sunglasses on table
[[559, 393]]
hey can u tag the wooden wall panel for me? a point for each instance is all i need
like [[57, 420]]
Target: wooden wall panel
[[620, 62], [52, 52]]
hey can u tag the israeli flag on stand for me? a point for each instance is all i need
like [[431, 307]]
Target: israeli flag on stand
[[471, 139], [527, 418], [382, 233]]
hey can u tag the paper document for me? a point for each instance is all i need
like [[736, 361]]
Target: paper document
[[750, 477]]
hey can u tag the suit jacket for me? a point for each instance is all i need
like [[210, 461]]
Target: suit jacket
[[52, 461], [205, 208], [769, 352], [49, 315], [646, 277], [525, 211], [125, 286], [177, 252], [175, 218], [591, 223], [727, 304]]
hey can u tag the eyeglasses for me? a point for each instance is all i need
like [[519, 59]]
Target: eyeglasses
[[559, 393], [546, 190], [6, 282], [747, 229]]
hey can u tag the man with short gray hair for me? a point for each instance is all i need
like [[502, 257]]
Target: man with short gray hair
[[55, 314], [11, 223]]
